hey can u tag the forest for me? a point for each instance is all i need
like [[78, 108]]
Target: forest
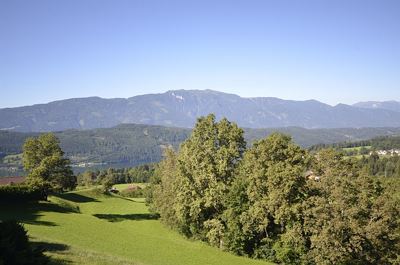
[[275, 200], [128, 145]]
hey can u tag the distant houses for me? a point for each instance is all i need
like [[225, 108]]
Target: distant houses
[[391, 152]]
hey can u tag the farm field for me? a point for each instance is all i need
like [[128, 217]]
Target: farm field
[[86, 227]]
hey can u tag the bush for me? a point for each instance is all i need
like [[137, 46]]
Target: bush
[[133, 192], [107, 183], [20, 193], [15, 248]]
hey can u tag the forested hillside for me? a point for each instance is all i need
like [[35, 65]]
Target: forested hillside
[[387, 142], [133, 144]]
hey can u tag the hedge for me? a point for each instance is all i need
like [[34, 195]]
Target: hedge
[[20, 193]]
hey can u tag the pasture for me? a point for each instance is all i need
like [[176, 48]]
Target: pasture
[[87, 227]]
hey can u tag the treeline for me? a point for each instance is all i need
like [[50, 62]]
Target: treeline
[[374, 165], [275, 201], [20, 193], [134, 144], [378, 143], [386, 143], [138, 174]]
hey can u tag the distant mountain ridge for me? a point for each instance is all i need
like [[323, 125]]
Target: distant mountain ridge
[[386, 105], [180, 108]]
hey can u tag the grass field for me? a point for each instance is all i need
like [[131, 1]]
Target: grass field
[[86, 227], [357, 148], [121, 187]]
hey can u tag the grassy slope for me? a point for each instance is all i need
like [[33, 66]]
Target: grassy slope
[[121, 187], [92, 229]]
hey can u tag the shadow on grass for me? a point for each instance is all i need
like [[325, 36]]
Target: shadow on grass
[[123, 217], [50, 247], [38, 222], [136, 200], [53, 248], [30, 213], [75, 197]]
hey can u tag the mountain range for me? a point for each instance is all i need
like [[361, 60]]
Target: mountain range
[[181, 108]]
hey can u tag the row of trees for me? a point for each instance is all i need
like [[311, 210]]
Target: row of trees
[[138, 174], [260, 203], [375, 165], [377, 143]]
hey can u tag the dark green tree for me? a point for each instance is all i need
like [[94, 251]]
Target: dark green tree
[[348, 218], [264, 206], [15, 248], [205, 170], [163, 188], [47, 168]]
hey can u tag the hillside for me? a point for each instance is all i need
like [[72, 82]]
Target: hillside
[[385, 105], [85, 227], [133, 144], [386, 143], [180, 108]]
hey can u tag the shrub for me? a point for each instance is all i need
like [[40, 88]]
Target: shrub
[[133, 191], [15, 248], [20, 193]]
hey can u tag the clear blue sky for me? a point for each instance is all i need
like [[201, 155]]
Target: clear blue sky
[[330, 50]]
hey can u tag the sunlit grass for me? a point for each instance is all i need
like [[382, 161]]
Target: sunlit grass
[[121, 231]]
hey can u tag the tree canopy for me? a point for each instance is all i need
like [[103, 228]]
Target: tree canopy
[[275, 201], [47, 168]]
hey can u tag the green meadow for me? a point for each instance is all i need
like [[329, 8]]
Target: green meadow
[[86, 227]]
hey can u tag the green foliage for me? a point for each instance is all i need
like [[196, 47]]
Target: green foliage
[[129, 145], [15, 248], [20, 193], [138, 174], [163, 189], [388, 142], [87, 178], [134, 191], [277, 202], [205, 167], [107, 183], [272, 186], [47, 168], [349, 218], [378, 166]]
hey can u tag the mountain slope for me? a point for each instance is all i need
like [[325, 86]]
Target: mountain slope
[[386, 105], [181, 108], [133, 144]]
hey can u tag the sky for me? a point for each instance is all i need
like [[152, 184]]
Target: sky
[[334, 51]]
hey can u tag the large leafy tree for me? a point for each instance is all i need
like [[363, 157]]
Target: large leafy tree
[[269, 192], [349, 217], [47, 168], [205, 170], [163, 188]]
